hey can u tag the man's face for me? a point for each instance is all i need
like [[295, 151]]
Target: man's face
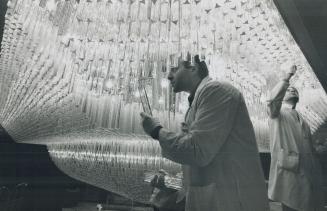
[[178, 77], [291, 93]]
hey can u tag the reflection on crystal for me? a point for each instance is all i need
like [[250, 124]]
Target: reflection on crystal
[[70, 71], [114, 162]]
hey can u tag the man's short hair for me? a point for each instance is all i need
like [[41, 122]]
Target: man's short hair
[[202, 66], [203, 69]]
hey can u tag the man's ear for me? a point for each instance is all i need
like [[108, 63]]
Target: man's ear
[[195, 69]]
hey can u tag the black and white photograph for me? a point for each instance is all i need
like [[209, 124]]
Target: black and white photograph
[[163, 105]]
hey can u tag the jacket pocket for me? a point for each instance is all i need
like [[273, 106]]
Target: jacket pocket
[[288, 160]]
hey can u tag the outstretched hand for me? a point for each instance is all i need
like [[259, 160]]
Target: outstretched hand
[[292, 70], [149, 123]]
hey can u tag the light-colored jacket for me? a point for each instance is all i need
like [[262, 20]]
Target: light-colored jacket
[[219, 153], [300, 189]]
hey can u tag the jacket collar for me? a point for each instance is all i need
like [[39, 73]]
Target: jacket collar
[[192, 98]]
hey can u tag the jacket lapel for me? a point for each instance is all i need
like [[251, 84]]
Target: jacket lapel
[[189, 116], [198, 90]]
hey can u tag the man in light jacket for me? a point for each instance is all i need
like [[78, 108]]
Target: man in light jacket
[[218, 150], [295, 173]]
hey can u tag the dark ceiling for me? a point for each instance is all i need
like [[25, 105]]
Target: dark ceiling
[[307, 21], [3, 8]]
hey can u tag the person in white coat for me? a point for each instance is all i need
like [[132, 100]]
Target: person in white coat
[[295, 173], [217, 148]]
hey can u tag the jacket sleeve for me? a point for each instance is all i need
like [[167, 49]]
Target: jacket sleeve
[[214, 117], [276, 98]]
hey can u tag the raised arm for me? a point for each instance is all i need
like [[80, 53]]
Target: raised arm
[[277, 94]]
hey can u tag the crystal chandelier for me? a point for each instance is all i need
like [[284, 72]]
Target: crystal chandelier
[[70, 72]]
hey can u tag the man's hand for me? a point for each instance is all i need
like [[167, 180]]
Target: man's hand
[[184, 127], [150, 125], [163, 197], [291, 72], [158, 180]]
